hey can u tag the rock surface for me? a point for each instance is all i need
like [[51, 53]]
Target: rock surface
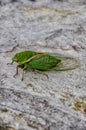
[[38, 103]]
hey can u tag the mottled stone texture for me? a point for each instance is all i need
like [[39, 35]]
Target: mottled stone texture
[[38, 102]]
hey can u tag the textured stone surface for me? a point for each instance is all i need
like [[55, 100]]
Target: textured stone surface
[[38, 103]]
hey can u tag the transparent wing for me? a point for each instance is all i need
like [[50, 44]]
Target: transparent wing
[[67, 62]]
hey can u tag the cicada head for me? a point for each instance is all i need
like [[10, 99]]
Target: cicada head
[[23, 56], [16, 58]]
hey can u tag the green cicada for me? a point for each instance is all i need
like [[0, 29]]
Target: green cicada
[[43, 61]]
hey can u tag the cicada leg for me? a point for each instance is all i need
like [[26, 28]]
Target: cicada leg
[[23, 70], [22, 75], [10, 63], [16, 71], [41, 72]]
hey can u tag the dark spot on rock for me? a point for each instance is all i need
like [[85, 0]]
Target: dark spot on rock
[[4, 110], [33, 0], [14, 0]]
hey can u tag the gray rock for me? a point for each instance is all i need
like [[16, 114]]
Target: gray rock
[[39, 103]]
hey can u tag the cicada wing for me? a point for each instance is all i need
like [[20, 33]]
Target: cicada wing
[[67, 62], [58, 55]]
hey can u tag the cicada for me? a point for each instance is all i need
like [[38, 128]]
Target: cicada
[[44, 61]]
